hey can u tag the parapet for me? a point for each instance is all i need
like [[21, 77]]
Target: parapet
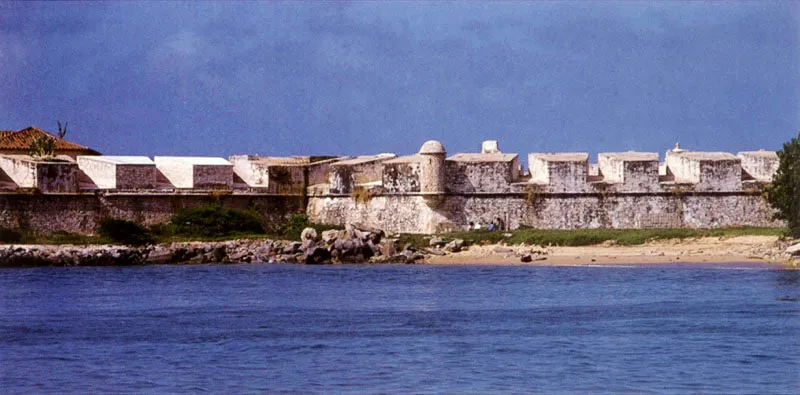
[[484, 172], [759, 166], [402, 174], [56, 175], [707, 171], [347, 174], [119, 172], [273, 174], [282, 175], [631, 171], [560, 172], [196, 172]]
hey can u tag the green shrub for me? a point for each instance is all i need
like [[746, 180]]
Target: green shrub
[[215, 221], [10, 235], [125, 232]]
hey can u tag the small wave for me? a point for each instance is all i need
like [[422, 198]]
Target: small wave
[[788, 298]]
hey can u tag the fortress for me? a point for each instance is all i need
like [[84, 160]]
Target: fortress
[[428, 192]]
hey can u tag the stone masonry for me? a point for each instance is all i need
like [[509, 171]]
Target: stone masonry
[[426, 192]]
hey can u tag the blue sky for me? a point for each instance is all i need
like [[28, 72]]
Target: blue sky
[[294, 78]]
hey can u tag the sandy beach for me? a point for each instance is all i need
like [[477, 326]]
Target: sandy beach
[[742, 249]]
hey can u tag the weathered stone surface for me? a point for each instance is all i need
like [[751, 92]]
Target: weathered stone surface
[[454, 246], [51, 176], [411, 214], [308, 236], [79, 213], [794, 249], [329, 236], [435, 251], [316, 255], [159, 255]]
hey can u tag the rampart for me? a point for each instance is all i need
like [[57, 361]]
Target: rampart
[[426, 192]]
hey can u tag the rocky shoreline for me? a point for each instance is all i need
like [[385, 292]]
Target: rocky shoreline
[[353, 245], [334, 246]]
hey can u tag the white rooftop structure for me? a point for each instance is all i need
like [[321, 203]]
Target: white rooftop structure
[[360, 160], [121, 160], [196, 172], [561, 157], [490, 147], [195, 160], [119, 172], [631, 156], [760, 165]]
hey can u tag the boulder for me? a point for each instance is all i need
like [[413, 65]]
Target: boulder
[[387, 247], [435, 241], [159, 256], [454, 246], [793, 250], [526, 258], [329, 236], [435, 251], [316, 255], [308, 236], [220, 253], [294, 248], [374, 247]]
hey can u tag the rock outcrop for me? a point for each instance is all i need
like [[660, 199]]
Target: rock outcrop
[[350, 245]]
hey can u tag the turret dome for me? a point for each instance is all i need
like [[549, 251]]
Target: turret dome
[[432, 147]]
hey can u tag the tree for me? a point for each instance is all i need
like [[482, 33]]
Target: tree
[[784, 193], [44, 147]]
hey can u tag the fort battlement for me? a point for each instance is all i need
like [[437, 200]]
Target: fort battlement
[[425, 192]]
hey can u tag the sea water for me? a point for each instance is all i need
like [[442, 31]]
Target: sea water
[[400, 328]]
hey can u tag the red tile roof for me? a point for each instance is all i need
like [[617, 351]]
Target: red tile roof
[[21, 141]]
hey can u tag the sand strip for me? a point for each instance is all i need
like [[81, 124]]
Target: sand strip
[[743, 249]]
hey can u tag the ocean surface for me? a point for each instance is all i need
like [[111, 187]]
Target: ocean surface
[[400, 328]]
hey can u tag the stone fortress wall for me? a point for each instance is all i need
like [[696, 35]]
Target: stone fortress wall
[[427, 192], [430, 192]]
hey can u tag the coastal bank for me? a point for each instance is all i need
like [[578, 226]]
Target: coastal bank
[[361, 247]]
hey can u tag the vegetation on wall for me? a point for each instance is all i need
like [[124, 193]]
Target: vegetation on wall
[[361, 195], [124, 232], [784, 193], [216, 221]]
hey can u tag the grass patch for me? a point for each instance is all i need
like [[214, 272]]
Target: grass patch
[[55, 238], [61, 237], [586, 237]]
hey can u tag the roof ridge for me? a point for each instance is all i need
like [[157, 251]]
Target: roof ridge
[[20, 140]]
